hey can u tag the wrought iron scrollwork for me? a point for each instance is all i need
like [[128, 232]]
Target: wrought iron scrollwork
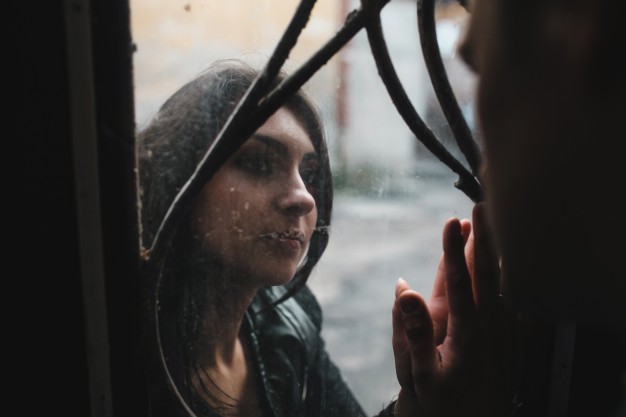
[[260, 102]]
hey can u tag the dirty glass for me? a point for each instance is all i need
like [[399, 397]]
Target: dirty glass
[[391, 195]]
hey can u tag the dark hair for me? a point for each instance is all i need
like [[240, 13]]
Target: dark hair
[[169, 150]]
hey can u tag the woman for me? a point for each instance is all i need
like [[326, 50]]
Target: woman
[[232, 347], [240, 329]]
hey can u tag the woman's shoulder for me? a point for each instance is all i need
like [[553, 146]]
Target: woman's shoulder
[[287, 340], [307, 300], [301, 307]]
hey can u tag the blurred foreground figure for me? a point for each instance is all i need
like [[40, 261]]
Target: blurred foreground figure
[[550, 105]]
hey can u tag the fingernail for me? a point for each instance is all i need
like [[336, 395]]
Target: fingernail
[[398, 286], [408, 306], [412, 318]]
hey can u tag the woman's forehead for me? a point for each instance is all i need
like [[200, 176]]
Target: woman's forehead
[[283, 129]]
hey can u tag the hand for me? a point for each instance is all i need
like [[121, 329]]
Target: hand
[[453, 354]]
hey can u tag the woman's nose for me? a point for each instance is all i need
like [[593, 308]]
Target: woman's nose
[[295, 199]]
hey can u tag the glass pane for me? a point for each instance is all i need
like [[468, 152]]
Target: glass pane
[[391, 196]]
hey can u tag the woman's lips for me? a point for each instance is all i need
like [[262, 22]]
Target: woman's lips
[[291, 241], [290, 235]]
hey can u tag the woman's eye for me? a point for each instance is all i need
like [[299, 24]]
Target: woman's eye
[[255, 164], [309, 176]]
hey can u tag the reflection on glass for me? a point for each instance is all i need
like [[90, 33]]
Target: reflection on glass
[[390, 199]]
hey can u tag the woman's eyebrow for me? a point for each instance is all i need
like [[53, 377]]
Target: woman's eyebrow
[[275, 144], [271, 142]]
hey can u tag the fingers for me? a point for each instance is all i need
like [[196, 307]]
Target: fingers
[[458, 282], [438, 301], [413, 345], [466, 229], [439, 287], [399, 342], [438, 304]]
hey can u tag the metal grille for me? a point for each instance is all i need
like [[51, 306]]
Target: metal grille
[[261, 101]]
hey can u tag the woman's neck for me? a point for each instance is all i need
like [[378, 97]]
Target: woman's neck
[[222, 351], [221, 322]]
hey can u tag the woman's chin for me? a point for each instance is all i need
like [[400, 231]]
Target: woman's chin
[[278, 278], [280, 281]]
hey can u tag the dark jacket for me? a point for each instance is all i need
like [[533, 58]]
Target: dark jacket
[[296, 376]]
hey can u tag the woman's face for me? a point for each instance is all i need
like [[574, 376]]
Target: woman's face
[[257, 214]]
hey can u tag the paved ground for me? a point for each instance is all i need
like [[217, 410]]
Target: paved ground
[[375, 240]]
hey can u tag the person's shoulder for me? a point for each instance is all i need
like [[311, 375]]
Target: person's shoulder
[[291, 328], [301, 303], [307, 300]]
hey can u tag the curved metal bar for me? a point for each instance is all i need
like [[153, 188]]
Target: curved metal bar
[[354, 23], [441, 84], [467, 181]]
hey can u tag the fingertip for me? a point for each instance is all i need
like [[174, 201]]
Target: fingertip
[[451, 221], [409, 305], [401, 285], [479, 213], [453, 235], [454, 225]]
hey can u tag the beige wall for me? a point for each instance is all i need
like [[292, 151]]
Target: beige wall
[[176, 39]]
